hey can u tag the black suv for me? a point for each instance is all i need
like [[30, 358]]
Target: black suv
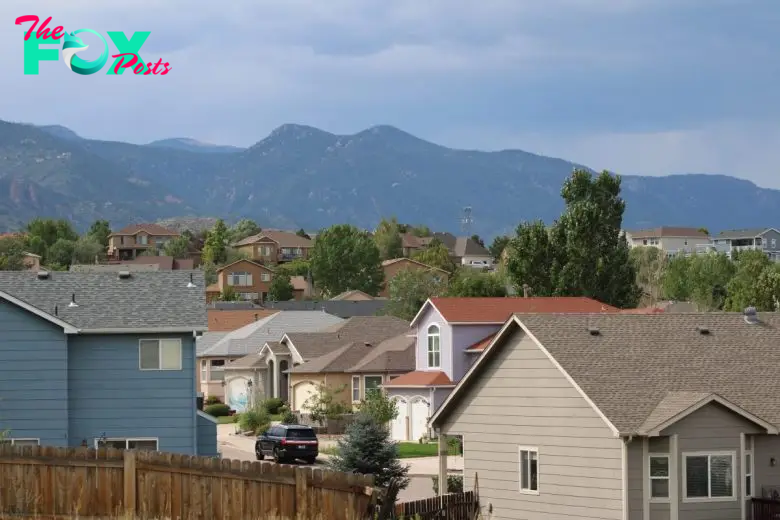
[[288, 442]]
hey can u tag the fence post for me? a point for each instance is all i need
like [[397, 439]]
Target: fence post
[[130, 480], [301, 493]]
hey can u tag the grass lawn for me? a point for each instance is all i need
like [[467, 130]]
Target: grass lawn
[[230, 419], [408, 450]]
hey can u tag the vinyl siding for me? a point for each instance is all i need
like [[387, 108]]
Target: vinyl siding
[[463, 336], [207, 437], [522, 399], [711, 428], [33, 377], [431, 317], [637, 474], [109, 394], [767, 447]]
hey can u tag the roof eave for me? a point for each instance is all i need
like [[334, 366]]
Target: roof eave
[[418, 386], [143, 330]]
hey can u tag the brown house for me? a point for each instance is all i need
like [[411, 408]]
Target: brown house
[[396, 265], [132, 240], [250, 280], [275, 247]]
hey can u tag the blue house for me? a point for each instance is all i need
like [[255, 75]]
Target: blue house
[[103, 359]]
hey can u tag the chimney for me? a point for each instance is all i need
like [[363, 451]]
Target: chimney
[[750, 315]]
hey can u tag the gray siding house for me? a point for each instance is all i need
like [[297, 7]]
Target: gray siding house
[[756, 239], [102, 359], [622, 416]]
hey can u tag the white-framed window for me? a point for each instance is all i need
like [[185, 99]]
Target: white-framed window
[[265, 277], [266, 250], [659, 476], [217, 372], [149, 444], [709, 476], [749, 472], [143, 240], [371, 383], [434, 347], [774, 243], [355, 389], [240, 279], [21, 442], [529, 470], [159, 354], [204, 370]]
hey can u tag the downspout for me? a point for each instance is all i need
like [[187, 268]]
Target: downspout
[[195, 396]]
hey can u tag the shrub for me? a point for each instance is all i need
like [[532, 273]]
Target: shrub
[[454, 484], [217, 410], [273, 404], [212, 399], [288, 417], [256, 420]]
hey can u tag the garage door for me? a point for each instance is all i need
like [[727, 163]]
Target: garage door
[[419, 418], [302, 392], [398, 425]]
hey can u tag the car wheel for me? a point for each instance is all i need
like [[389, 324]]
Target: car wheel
[[259, 453], [310, 460], [277, 458]]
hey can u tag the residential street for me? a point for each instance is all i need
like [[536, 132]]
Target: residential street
[[420, 469]]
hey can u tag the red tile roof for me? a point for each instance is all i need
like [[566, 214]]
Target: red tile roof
[[644, 310], [498, 310], [421, 378], [483, 343]]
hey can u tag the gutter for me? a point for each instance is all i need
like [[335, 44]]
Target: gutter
[[148, 330]]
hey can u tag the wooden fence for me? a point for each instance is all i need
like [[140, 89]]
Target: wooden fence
[[453, 506], [49, 483]]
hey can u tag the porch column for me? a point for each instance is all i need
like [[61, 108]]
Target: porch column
[[277, 379], [442, 464]]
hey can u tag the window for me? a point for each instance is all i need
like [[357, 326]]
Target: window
[[748, 473], [265, 277], [355, 389], [686, 242], [249, 296], [266, 250], [529, 470], [774, 243], [434, 347], [659, 476], [160, 354], [21, 442], [371, 383], [128, 444], [217, 370], [708, 476], [204, 370], [644, 242], [244, 279]]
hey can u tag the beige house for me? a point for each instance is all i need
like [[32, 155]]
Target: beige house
[[623, 417], [250, 280], [132, 240], [671, 240], [394, 266], [275, 247], [353, 296]]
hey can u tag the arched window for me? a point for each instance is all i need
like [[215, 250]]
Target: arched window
[[434, 347]]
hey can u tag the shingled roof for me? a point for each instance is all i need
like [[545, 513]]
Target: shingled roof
[[144, 301], [392, 355], [640, 370]]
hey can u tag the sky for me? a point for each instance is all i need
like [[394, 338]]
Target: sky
[[648, 87]]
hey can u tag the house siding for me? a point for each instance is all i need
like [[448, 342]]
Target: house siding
[[711, 428], [463, 336], [766, 240], [207, 437], [109, 394], [430, 317], [636, 475], [766, 475], [522, 399], [33, 377]]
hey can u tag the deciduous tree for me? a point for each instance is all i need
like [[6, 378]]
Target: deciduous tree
[[742, 289], [435, 255], [242, 229], [99, 231], [215, 248], [281, 288], [650, 264], [177, 247], [388, 239], [345, 258], [497, 247], [468, 282], [530, 259], [409, 289]]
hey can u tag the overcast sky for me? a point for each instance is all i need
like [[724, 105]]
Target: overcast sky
[[635, 86]]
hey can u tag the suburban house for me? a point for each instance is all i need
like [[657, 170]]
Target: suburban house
[[249, 279], [216, 351], [465, 250], [671, 240], [412, 243], [302, 287], [102, 359], [227, 318], [353, 296], [451, 334], [619, 416], [275, 247], [396, 265], [757, 239], [140, 263], [134, 239], [341, 308]]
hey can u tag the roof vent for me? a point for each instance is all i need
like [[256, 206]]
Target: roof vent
[[191, 284], [73, 301], [367, 343], [43, 275], [751, 316], [124, 275], [594, 331], [704, 331]]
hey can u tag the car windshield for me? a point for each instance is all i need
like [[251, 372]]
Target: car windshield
[[300, 433]]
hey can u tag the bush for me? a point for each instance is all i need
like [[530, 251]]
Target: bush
[[288, 417], [256, 420], [454, 484], [217, 410], [212, 399], [273, 404]]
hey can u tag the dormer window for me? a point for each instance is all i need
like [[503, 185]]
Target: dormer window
[[434, 347]]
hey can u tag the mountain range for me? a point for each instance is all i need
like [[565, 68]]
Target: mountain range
[[300, 176]]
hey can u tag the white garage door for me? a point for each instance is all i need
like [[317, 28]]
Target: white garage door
[[302, 392], [419, 419], [398, 426]]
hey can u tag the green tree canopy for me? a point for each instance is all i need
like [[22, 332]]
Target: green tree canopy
[[530, 259], [12, 254], [215, 248], [435, 255], [281, 288], [468, 282], [302, 233], [99, 231], [388, 239], [497, 246], [51, 230], [650, 265], [242, 229], [409, 289], [87, 250], [742, 289], [61, 252], [177, 247], [478, 240], [345, 258]]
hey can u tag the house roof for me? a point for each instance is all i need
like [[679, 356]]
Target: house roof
[[411, 241], [498, 310], [299, 283], [669, 232], [341, 308], [419, 379], [152, 229], [113, 268], [245, 260], [482, 344], [152, 301], [247, 362], [227, 320], [346, 295], [392, 355], [743, 233], [282, 238], [252, 337], [393, 261], [641, 370]]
